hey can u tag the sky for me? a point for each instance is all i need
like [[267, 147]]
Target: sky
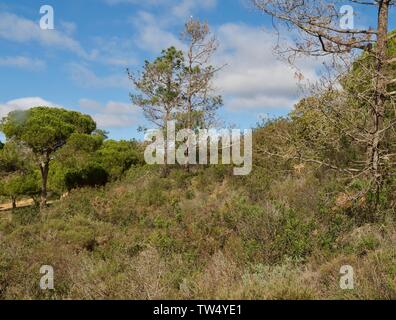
[[81, 64]]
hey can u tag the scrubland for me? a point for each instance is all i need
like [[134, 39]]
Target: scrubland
[[203, 234]]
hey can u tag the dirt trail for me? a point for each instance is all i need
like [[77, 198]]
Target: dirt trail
[[20, 204]]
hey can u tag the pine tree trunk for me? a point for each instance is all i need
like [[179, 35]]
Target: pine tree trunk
[[14, 205], [44, 168], [189, 127], [189, 102], [165, 170], [380, 96]]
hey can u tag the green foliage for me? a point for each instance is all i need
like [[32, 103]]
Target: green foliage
[[15, 157], [147, 236], [16, 185], [45, 129], [17, 175], [160, 86], [91, 175], [25, 216], [294, 238], [82, 142], [360, 77], [116, 157], [87, 160]]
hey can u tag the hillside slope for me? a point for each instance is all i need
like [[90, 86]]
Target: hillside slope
[[204, 234]]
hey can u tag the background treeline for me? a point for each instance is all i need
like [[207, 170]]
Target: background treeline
[[85, 160]]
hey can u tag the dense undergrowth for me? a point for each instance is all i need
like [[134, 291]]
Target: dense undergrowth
[[204, 234]]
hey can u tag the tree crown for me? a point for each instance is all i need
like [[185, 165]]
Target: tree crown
[[45, 129]]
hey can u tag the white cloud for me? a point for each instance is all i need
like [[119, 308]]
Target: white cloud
[[23, 104], [114, 121], [22, 62], [152, 30], [85, 77], [112, 114], [260, 101], [150, 2], [68, 27], [185, 8], [90, 105], [176, 8], [254, 77], [108, 51], [115, 108], [18, 29], [115, 51], [156, 31], [152, 35]]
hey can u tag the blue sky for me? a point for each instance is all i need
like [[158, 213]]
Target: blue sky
[[81, 64]]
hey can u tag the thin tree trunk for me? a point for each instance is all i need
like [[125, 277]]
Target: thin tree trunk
[[165, 171], [189, 127], [380, 95], [189, 106], [14, 205], [44, 168]]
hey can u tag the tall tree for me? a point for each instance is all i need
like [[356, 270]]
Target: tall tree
[[45, 130], [320, 33], [201, 101], [199, 96], [159, 86]]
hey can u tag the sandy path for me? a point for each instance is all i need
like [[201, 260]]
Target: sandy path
[[20, 204]]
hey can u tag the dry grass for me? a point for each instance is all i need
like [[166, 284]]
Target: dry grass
[[197, 235]]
